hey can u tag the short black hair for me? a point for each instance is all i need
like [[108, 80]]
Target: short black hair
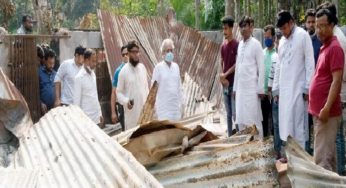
[[228, 20], [283, 17], [49, 54], [123, 47], [310, 12], [331, 7], [25, 18], [326, 12], [246, 20], [271, 28], [79, 50], [132, 44], [88, 53]]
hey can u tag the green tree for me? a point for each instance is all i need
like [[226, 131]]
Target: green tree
[[131, 7], [184, 11], [214, 16]]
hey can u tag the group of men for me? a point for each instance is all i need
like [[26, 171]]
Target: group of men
[[292, 77], [130, 86], [73, 83]]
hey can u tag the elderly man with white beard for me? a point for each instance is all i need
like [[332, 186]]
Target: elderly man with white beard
[[169, 99]]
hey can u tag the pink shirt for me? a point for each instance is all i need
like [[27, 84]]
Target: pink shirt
[[331, 59]]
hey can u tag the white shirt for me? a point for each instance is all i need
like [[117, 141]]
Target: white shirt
[[85, 94], [21, 30], [132, 84], [275, 59], [65, 75], [342, 40], [169, 96], [248, 83], [293, 76]]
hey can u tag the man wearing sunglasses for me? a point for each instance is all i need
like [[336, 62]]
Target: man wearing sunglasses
[[117, 108]]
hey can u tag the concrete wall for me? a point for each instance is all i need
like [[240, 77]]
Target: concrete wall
[[217, 36], [87, 39]]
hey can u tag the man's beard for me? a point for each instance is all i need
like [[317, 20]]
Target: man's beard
[[311, 32], [133, 62]]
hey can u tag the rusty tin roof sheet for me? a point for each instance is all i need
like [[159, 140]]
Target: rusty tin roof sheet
[[231, 162], [69, 150], [303, 172], [196, 55]]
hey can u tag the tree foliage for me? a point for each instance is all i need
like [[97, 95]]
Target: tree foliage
[[210, 11]]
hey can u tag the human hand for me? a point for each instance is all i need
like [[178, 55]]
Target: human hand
[[324, 115], [44, 108], [114, 118], [57, 103]]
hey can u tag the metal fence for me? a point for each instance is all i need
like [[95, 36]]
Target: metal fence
[[24, 66]]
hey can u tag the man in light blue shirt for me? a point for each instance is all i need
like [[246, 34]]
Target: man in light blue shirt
[[119, 110]]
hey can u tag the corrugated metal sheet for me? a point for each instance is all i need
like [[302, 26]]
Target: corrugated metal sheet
[[24, 66], [69, 150], [197, 56], [232, 162], [24, 71], [148, 110], [303, 172], [18, 178], [14, 112], [15, 120]]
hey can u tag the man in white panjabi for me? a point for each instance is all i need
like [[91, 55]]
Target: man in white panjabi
[[133, 89], [85, 90], [169, 99], [296, 69], [249, 79]]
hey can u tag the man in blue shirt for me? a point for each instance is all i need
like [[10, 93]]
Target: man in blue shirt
[[46, 81], [120, 109]]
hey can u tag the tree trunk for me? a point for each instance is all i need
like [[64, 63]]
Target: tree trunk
[[229, 8], [261, 17], [244, 8], [271, 16], [237, 10], [284, 5], [161, 8], [197, 21], [248, 7], [336, 3], [43, 16]]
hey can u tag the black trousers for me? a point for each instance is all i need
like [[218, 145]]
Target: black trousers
[[121, 116], [266, 113]]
